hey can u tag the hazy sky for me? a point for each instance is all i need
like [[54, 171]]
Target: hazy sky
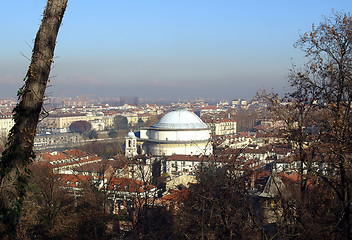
[[221, 49]]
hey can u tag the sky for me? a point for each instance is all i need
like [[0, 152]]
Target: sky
[[176, 49]]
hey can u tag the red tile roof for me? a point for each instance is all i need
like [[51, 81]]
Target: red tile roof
[[127, 185], [74, 181], [176, 196], [54, 156], [76, 153]]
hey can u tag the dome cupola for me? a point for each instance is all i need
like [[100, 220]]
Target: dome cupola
[[180, 119]]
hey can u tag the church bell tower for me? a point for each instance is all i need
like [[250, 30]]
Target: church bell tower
[[130, 145]]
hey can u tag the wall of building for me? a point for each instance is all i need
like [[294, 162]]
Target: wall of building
[[190, 148], [178, 135], [54, 139], [181, 167]]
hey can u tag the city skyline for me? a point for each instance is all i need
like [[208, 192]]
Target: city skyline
[[174, 49]]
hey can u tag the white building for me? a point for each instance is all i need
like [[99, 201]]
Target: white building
[[98, 124], [182, 164], [238, 102], [57, 139], [6, 123], [222, 126], [177, 132]]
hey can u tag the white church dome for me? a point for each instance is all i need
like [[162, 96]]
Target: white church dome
[[178, 132], [131, 135], [180, 119]]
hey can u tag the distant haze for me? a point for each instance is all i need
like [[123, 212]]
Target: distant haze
[[162, 49]]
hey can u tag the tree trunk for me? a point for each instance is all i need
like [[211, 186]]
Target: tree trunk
[[19, 151]]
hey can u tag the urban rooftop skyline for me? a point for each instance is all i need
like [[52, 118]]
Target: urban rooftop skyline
[[153, 49]]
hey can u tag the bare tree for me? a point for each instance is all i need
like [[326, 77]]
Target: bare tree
[[218, 207], [18, 154], [48, 210], [318, 119]]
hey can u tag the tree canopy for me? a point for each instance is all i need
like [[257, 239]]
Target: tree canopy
[[121, 123], [80, 127]]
